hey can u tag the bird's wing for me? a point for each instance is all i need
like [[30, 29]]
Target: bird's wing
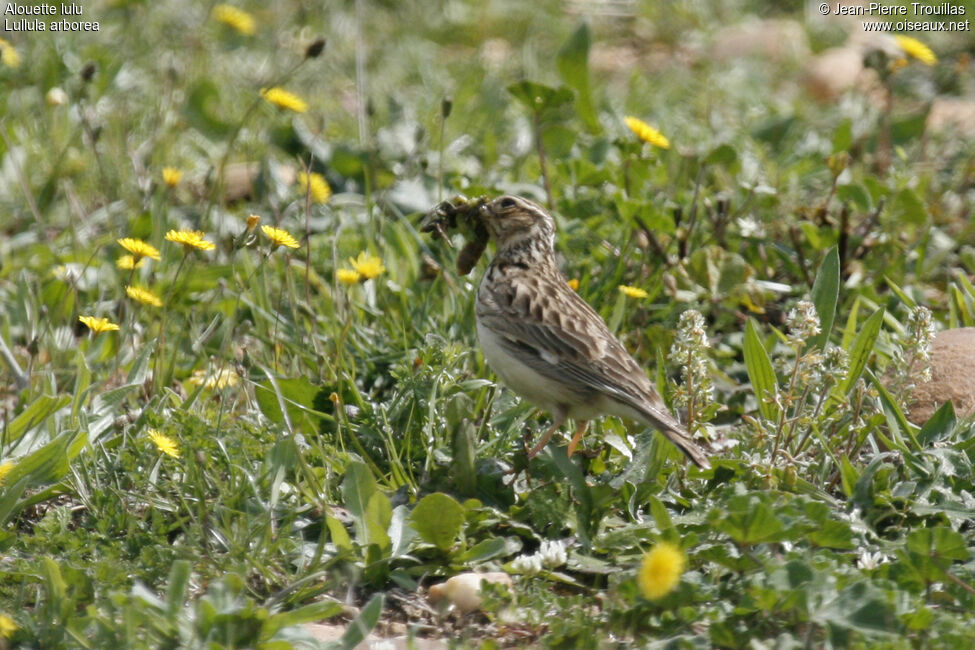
[[550, 328]]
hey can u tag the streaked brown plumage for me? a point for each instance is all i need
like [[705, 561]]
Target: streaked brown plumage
[[547, 344]]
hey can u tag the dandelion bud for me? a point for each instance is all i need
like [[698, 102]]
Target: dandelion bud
[[88, 72], [315, 49], [56, 96], [446, 106], [838, 162]]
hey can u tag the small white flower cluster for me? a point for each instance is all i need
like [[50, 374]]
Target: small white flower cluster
[[749, 226], [836, 362], [551, 555], [689, 351], [803, 323], [920, 333], [911, 354]]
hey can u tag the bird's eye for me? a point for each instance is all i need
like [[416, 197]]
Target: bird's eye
[[507, 203]]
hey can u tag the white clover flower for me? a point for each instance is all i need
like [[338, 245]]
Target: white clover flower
[[552, 554], [527, 564]]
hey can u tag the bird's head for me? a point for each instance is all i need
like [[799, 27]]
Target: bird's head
[[514, 222]]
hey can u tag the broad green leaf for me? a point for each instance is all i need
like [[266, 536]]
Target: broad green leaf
[[660, 515], [760, 372], [363, 624], [580, 491], [312, 613], [939, 542], [897, 422], [482, 551], [370, 508], [302, 399], [748, 520], [203, 108], [906, 131], [179, 579], [140, 367], [438, 518], [774, 129], [50, 463], [401, 534], [464, 456], [338, 534], [39, 410], [825, 294], [908, 207], [832, 534], [723, 154], [861, 607], [850, 329], [10, 495], [843, 136], [379, 515], [904, 298], [938, 426], [856, 194], [573, 63], [539, 98], [848, 476], [57, 588], [861, 349]]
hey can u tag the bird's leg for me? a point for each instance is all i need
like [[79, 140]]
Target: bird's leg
[[580, 431], [540, 445]]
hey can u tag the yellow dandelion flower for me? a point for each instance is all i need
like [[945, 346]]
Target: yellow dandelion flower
[[7, 626], [128, 263], [573, 284], [632, 292], [347, 276], [660, 570], [171, 176], [236, 18], [252, 222], [164, 443], [5, 468], [8, 55], [145, 296], [216, 380], [314, 185], [367, 266], [98, 325], [139, 248], [190, 239], [283, 99], [917, 49], [647, 133], [280, 237]]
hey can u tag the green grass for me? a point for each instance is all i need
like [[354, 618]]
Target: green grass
[[360, 452]]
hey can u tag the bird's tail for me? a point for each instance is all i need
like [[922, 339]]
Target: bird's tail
[[690, 448], [664, 422]]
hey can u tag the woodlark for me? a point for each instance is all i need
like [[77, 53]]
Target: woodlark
[[547, 344]]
